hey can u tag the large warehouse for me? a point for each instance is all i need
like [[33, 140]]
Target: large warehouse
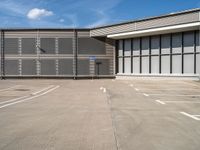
[[166, 45]]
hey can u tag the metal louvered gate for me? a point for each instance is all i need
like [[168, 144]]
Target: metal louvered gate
[[54, 53]]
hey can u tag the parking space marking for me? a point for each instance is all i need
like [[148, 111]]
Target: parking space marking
[[35, 93], [178, 89], [12, 100], [161, 102], [30, 98], [191, 84], [178, 95], [1, 90], [182, 101], [43, 89], [104, 89], [137, 89], [191, 116], [145, 94], [131, 85]]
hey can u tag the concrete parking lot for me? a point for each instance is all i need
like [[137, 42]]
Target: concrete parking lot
[[99, 114]]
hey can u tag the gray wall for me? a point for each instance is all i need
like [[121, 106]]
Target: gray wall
[[160, 54], [60, 53], [168, 20]]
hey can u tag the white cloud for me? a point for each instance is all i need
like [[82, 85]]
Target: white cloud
[[36, 13], [61, 20], [102, 19]]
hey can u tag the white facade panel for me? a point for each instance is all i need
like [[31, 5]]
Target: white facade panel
[[198, 64], [165, 64], [189, 64], [136, 65], [127, 65], [120, 65], [155, 65], [145, 65], [176, 64]]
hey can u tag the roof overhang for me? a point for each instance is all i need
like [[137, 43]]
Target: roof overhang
[[154, 31]]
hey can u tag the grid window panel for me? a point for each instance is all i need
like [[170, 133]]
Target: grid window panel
[[136, 46], [127, 47], [47, 46], [120, 46], [11, 67], [145, 46], [83, 67], [188, 42], [65, 46], [65, 66], [165, 47], [28, 46], [29, 67], [155, 44], [48, 67], [11, 46], [91, 46], [176, 43], [197, 42], [104, 67]]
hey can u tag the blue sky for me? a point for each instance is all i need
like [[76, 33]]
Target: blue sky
[[83, 13]]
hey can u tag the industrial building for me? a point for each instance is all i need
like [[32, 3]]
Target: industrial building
[[166, 45]]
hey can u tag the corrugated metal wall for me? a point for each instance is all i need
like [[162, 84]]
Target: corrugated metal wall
[[176, 54], [55, 53], [92, 51], [188, 17]]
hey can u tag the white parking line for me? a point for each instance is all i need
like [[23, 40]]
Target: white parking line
[[178, 95], [15, 99], [161, 102], [182, 101], [43, 89], [137, 89], [9, 88], [101, 88], [29, 98], [191, 116], [145, 94], [104, 89]]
